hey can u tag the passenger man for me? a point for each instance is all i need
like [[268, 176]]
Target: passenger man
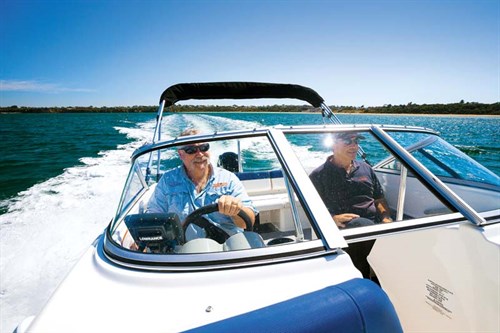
[[349, 187]]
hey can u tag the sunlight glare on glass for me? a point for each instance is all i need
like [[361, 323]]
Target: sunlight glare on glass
[[328, 141]]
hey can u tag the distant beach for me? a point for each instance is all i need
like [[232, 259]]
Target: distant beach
[[454, 109]]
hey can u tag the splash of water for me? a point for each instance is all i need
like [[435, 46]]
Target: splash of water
[[48, 227]]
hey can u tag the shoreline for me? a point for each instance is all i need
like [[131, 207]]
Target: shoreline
[[424, 114], [278, 112], [469, 109], [365, 113]]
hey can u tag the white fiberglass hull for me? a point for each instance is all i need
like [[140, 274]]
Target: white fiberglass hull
[[444, 279], [153, 301]]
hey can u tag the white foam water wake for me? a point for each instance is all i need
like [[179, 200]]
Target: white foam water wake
[[49, 226]]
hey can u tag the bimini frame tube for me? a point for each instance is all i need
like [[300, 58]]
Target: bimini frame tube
[[159, 116], [156, 138], [328, 113]]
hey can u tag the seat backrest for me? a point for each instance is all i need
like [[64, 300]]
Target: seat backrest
[[228, 161]]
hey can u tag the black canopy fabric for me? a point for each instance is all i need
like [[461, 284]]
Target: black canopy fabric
[[238, 90]]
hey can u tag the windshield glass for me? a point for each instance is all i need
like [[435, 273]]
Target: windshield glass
[[470, 180], [210, 196], [445, 160]]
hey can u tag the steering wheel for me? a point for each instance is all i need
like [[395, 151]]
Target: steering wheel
[[196, 218]]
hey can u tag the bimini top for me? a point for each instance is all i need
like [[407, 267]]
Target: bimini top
[[238, 90]]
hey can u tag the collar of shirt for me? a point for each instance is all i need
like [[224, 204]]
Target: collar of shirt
[[329, 160], [188, 180]]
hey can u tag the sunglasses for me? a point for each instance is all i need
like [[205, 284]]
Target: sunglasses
[[194, 149], [348, 142]]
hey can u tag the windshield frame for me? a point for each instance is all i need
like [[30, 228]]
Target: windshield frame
[[330, 238], [327, 242]]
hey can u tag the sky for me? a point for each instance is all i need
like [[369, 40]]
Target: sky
[[352, 52]]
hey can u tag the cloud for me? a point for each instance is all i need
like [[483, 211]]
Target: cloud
[[35, 86]]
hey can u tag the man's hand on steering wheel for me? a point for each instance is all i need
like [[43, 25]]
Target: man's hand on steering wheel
[[229, 205], [242, 219]]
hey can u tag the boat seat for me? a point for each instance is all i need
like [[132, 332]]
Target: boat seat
[[228, 161], [262, 182], [354, 306]]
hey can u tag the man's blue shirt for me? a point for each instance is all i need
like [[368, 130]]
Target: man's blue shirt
[[176, 193]]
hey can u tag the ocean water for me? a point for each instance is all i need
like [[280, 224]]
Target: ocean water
[[61, 176]]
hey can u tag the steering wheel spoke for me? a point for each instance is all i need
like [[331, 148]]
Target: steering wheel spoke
[[213, 231]]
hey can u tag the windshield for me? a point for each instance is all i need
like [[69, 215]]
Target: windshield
[[210, 196], [471, 181], [167, 208], [445, 160]]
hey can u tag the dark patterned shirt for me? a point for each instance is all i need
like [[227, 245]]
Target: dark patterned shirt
[[341, 192]]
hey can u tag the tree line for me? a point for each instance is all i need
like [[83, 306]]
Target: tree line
[[461, 108]]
